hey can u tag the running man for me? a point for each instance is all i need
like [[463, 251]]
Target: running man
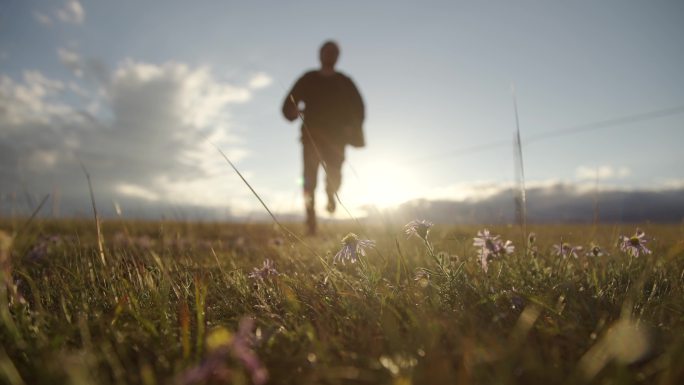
[[332, 111]]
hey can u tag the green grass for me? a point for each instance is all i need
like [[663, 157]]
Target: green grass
[[169, 292]]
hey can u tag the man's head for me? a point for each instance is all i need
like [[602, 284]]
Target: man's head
[[329, 53]]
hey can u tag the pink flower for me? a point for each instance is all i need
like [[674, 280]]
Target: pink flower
[[634, 245], [419, 228], [352, 247], [490, 246], [264, 272]]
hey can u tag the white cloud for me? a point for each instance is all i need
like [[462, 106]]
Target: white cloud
[[673, 184], [260, 80], [134, 191], [484, 189], [602, 172], [91, 69], [42, 18], [29, 101], [71, 60], [72, 12], [41, 159], [148, 133], [474, 190]]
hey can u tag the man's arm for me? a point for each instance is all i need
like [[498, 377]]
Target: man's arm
[[357, 114], [290, 110], [291, 103], [358, 111]]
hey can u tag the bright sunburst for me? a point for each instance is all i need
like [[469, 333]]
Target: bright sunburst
[[383, 184]]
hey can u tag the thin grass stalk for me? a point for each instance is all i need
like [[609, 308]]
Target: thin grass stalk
[[33, 215], [520, 173], [280, 225], [200, 312], [100, 241]]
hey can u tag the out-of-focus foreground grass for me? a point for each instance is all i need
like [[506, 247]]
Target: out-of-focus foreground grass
[[173, 302]]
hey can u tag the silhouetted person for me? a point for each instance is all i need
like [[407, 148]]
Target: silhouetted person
[[333, 113]]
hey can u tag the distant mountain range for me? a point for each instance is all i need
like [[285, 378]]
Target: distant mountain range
[[559, 203]]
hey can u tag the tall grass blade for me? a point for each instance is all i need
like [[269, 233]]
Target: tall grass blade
[[33, 215], [277, 222], [100, 241], [8, 370], [521, 200]]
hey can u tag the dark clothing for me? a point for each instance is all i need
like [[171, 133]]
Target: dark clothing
[[333, 108], [333, 117], [332, 155]]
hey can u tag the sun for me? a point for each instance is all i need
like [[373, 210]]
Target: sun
[[384, 184]]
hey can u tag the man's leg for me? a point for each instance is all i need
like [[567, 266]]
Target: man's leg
[[311, 162], [334, 158]]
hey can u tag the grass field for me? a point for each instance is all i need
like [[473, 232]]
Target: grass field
[[172, 302]]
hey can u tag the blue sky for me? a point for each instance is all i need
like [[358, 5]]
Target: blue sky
[[138, 91]]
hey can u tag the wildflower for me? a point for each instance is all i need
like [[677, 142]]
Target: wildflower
[[634, 245], [565, 250], [507, 247], [352, 246], [220, 345], [490, 246], [485, 240], [265, 271], [596, 251], [419, 228], [42, 248], [242, 348], [422, 277]]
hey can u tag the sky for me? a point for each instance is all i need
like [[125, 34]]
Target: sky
[[142, 93]]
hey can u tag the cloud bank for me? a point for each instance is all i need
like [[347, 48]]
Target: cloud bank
[[547, 203], [146, 133], [71, 12]]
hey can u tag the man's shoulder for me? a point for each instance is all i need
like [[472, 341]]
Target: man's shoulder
[[305, 79], [309, 74], [345, 78]]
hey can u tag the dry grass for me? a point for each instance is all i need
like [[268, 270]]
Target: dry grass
[[151, 313]]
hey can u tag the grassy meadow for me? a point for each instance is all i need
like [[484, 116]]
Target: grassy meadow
[[194, 303]]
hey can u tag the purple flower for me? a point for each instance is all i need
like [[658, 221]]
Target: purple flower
[[352, 246], [634, 245], [242, 348], [596, 251], [419, 228], [220, 345], [43, 247], [566, 250], [264, 272], [490, 246], [507, 247]]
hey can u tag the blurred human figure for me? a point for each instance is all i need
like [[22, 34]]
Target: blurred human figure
[[332, 113]]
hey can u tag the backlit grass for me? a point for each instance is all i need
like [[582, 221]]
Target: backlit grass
[[168, 302]]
